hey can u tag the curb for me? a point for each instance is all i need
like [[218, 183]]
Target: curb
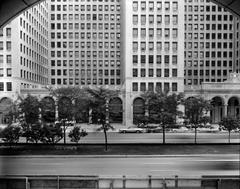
[[119, 156]]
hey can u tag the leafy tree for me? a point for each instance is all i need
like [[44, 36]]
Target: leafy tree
[[47, 110], [196, 109], [67, 110], [76, 133], [33, 133], [51, 134], [11, 134], [30, 107], [164, 106], [98, 100], [230, 123]]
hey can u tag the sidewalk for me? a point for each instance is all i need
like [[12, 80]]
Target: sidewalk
[[94, 127]]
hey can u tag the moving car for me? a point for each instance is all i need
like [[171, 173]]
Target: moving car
[[131, 129]]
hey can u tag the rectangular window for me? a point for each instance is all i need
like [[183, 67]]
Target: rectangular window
[[142, 86], [135, 59], [1, 86], [135, 86], [159, 72], [174, 72], [135, 72], [9, 86], [150, 86], [143, 59], [166, 87], [150, 72], [158, 86], [174, 87], [166, 72]]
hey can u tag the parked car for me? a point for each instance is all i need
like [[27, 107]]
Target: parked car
[[180, 130], [131, 129], [154, 129]]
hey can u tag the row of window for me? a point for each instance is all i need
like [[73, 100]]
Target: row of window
[[207, 45], [199, 81], [33, 77], [224, 36], [88, 54], [158, 46], [8, 45], [158, 72], [85, 35], [33, 66], [77, 81], [150, 19], [83, 63], [37, 56], [35, 26], [7, 30], [87, 26], [83, 72], [207, 63], [86, 17], [7, 74], [214, 72], [153, 5], [6, 86], [88, 45], [8, 60], [158, 86], [218, 27], [142, 32], [208, 54], [166, 59], [92, 8], [38, 43]]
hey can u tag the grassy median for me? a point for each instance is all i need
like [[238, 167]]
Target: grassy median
[[118, 149]]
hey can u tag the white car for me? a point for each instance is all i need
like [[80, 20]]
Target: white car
[[131, 130], [181, 130]]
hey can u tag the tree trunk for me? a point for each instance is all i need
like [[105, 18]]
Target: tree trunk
[[195, 137], [105, 135], [163, 134], [229, 136]]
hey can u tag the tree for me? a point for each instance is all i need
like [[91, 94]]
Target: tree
[[66, 96], [230, 123], [164, 107], [76, 133], [98, 100], [33, 133], [196, 109], [11, 134], [47, 105], [51, 134], [30, 107]]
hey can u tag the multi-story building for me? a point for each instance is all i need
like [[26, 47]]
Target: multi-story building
[[211, 56], [85, 43], [152, 54], [23, 54], [209, 43]]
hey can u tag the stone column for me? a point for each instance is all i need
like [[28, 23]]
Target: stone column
[[56, 110], [73, 104], [225, 110], [146, 108]]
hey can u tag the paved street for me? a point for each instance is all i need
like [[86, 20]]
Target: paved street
[[141, 165], [157, 138]]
